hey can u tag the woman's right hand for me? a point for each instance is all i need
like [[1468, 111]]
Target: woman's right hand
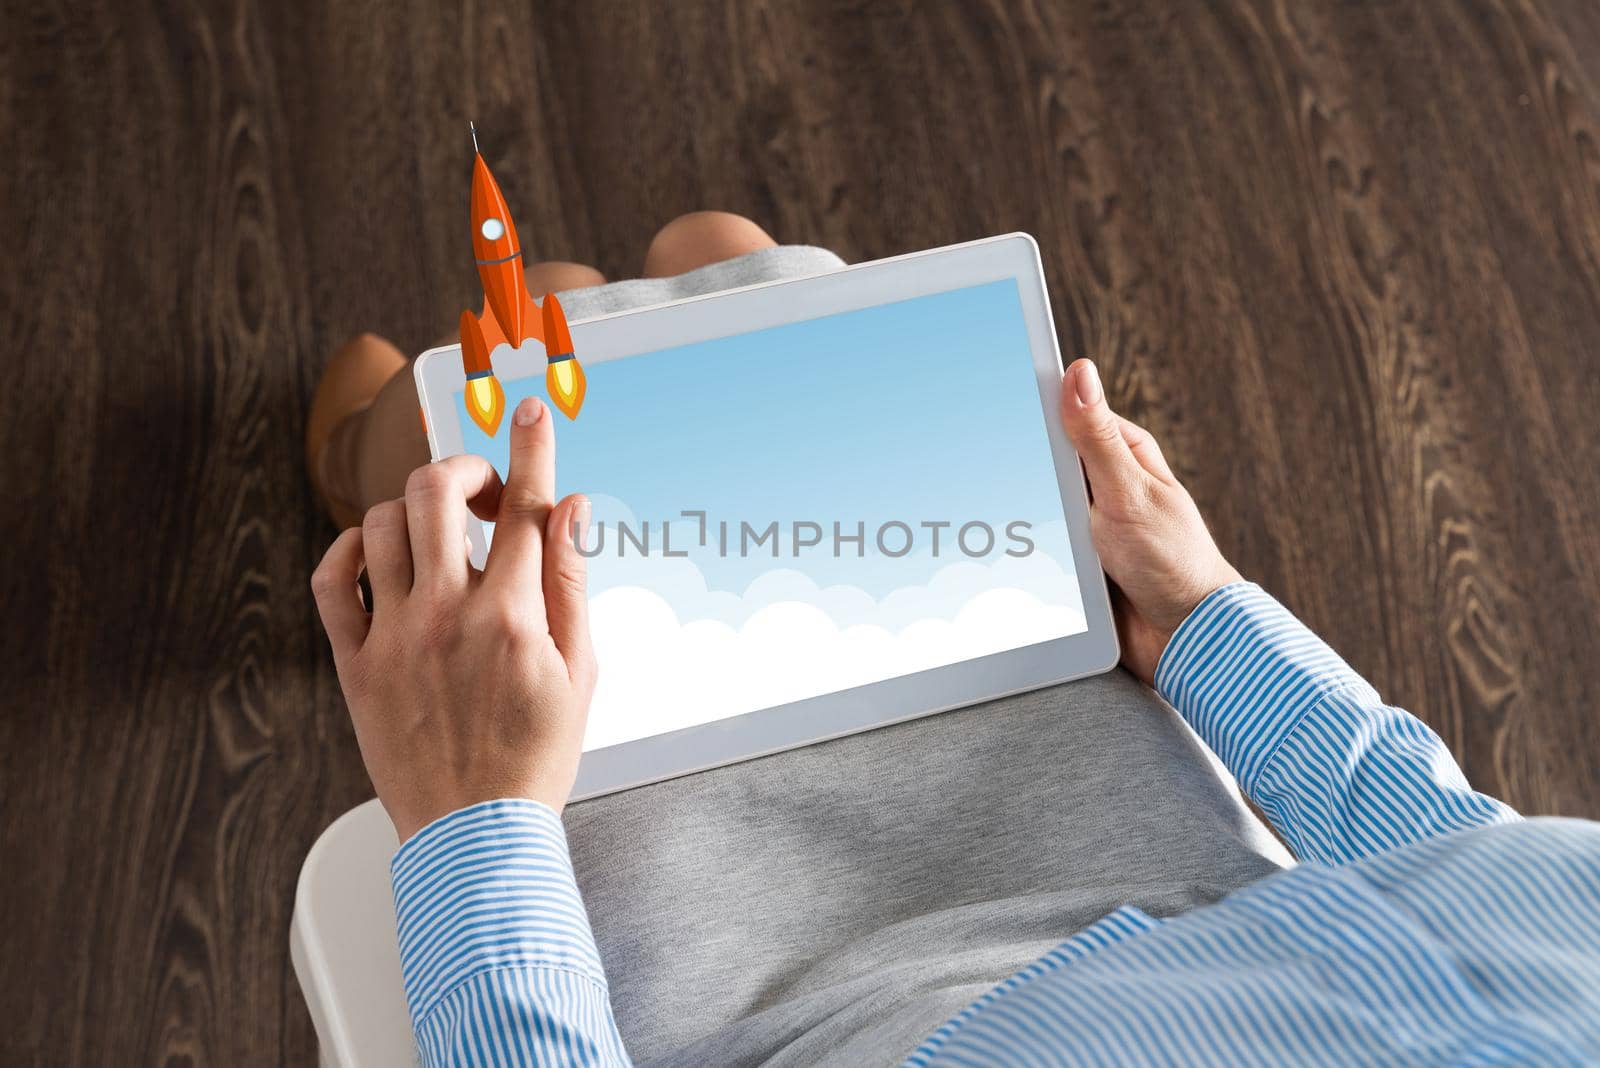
[[466, 685], [1152, 542]]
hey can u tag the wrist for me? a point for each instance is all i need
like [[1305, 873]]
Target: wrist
[[1191, 593], [411, 820], [1221, 574], [544, 772], [407, 828], [1218, 592]]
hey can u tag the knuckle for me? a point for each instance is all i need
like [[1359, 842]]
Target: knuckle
[[522, 503], [324, 583], [427, 480], [505, 618], [572, 578], [384, 516], [1104, 431], [331, 575]]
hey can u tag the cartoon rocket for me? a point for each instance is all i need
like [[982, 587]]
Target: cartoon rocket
[[509, 314]]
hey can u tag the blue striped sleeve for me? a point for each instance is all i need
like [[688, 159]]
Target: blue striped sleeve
[[499, 963], [1340, 774], [1116, 926]]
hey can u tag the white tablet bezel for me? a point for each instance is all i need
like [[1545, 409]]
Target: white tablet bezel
[[1011, 256]]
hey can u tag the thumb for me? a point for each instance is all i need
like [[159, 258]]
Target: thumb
[[1096, 433], [566, 586]]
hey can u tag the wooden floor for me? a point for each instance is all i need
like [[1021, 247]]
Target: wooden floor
[[1343, 259]]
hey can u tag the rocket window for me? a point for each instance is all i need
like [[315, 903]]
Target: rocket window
[[493, 229]]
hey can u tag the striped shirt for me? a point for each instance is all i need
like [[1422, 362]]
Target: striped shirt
[[1426, 924]]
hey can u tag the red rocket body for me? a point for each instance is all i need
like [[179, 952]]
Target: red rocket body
[[509, 314]]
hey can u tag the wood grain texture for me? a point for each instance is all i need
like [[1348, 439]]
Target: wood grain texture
[[1343, 259]]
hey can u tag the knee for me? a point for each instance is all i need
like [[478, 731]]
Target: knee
[[702, 237], [369, 347], [558, 276]]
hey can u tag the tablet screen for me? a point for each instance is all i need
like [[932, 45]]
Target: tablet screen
[[807, 508]]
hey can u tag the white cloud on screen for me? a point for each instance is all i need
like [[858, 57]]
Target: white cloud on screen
[[676, 654], [657, 674]]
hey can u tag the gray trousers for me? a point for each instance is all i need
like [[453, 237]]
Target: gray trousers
[[835, 904]]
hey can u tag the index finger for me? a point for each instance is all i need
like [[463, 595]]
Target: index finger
[[515, 557]]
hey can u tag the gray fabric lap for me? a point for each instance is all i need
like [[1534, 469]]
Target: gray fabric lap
[[837, 903], [765, 265]]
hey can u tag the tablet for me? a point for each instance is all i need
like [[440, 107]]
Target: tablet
[[821, 505]]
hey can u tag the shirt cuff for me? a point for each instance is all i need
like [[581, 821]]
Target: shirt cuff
[[1243, 671], [487, 888]]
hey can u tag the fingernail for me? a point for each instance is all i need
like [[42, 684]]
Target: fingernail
[[580, 519], [1088, 384], [529, 411]]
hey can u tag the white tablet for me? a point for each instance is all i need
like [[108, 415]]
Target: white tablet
[[821, 505]]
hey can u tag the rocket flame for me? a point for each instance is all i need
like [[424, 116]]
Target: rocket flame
[[564, 379], [566, 384], [486, 402]]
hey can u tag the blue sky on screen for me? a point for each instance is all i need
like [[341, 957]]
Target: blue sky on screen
[[924, 409]]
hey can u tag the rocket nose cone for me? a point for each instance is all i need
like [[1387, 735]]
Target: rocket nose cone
[[486, 195], [482, 180], [494, 235]]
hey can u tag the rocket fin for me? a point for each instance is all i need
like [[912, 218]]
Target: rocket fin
[[493, 335], [533, 320], [485, 399], [475, 346]]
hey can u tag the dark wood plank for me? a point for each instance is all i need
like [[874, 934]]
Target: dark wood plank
[[1344, 259]]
